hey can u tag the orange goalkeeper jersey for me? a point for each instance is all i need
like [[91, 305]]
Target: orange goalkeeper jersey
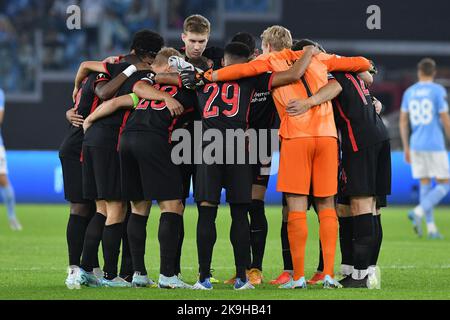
[[319, 120]]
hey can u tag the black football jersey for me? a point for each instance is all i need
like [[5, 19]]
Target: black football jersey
[[154, 116], [263, 113], [105, 132], [355, 114], [85, 103], [226, 105]]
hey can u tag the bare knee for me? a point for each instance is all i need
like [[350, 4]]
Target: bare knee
[[141, 208], [174, 206], [442, 181], [4, 182], [258, 192], [208, 204], [115, 212], [297, 202], [285, 213], [101, 207], [81, 209], [361, 205], [325, 203], [343, 211]]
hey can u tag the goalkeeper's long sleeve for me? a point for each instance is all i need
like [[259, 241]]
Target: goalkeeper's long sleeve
[[239, 71]]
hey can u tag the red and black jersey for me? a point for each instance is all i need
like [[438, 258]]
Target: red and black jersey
[[154, 116], [355, 114], [263, 113], [106, 131], [85, 103], [226, 105]]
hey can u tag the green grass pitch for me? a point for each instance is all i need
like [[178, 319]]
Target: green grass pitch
[[33, 262]]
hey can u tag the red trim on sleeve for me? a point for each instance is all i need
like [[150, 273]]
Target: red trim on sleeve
[[174, 122], [124, 122], [100, 80], [77, 99], [94, 104], [106, 69], [270, 81], [349, 126], [248, 110], [358, 88]]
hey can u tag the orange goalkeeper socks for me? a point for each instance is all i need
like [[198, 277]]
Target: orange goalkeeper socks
[[297, 234], [328, 233]]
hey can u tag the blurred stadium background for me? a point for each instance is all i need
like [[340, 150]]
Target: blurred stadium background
[[39, 56]]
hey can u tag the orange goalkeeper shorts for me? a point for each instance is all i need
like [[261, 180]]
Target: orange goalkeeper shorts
[[309, 164]]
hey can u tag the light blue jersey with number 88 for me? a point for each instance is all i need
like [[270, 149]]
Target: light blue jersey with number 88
[[424, 102]]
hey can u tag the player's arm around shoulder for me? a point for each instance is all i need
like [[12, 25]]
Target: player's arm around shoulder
[[350, 64], [145, 90], [108, 89], [85, 68], [238, 71], [328, 92], [107, 108], [297, 70]]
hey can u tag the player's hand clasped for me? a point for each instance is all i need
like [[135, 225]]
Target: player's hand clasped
[[194, 79], [378, 105], [315, 50], [75, 119], [174, 106], [298, 107], [87, 124]]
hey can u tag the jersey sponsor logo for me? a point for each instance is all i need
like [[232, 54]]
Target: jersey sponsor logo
[[261, 96]]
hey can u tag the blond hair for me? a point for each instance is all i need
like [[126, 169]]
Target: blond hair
[[197, 24], [278, 37], [164, 54]]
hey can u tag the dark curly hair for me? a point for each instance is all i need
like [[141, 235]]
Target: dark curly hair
[[147, 43]]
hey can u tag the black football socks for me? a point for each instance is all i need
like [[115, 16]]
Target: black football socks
[[240, 239], [137, 235], [258, 233], [206, 238], [168, 236], [93, 236], [112, 237]]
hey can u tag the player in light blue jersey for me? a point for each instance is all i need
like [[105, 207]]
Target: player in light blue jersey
[[425, 109], [6, 190]]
